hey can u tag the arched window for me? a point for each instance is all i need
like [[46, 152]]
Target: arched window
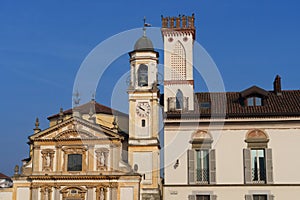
[[178, 62], [257, 158], [201, 159], [143, 75], [179, 100]]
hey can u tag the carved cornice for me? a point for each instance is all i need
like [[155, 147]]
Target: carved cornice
[[77, 177]]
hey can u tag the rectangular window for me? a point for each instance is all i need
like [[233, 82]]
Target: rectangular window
[[74, 162], [258, 165], [260, 197], [202, 166], [202, 197], [143, 123], [254, 101], [205, 105], [258, 101], [250, 101]]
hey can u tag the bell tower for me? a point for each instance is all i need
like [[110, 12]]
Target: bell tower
[[143, 147], [178, 35]]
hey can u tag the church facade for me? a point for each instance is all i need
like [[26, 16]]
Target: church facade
[[221, 145]]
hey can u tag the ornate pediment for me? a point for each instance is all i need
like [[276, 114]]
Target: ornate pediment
[[76, 128], [74, 134]]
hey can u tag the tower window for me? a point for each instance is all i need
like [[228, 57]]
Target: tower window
[[179, 100], [143, 123], [143, 75], [178, 62]]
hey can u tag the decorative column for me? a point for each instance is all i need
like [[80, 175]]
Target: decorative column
[[58, 159], [90, 193], [101, 193], [113, 191], [34, 192], [57, 193]]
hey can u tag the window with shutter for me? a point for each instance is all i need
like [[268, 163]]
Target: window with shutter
[[258, 166], [201, 159], [202, 197]]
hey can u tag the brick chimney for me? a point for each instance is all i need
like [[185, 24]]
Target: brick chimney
[[277, 85]]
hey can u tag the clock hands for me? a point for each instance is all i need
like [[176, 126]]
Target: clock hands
[[141, 108]]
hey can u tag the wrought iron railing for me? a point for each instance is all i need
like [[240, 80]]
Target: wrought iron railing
[[202, 175], [258, 175]]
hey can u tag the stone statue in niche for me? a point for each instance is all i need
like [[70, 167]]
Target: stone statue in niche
[[101, 194], [47, 156], [102, 158]]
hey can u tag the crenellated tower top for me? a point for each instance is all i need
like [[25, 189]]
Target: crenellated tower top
[[179, 25]]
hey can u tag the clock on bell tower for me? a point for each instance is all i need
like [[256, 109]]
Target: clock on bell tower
[[144, 96]]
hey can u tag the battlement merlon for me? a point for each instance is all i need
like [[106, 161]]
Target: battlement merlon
[[179, 25]]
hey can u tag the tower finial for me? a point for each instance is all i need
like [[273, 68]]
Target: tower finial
[[115, 124], [76, 98], [145, 25], [37, 124], [60, 116]]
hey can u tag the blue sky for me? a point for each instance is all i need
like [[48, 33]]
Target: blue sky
[[42, 45]]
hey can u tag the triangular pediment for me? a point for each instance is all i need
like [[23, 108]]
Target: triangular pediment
[[76, 129], [254, 91]]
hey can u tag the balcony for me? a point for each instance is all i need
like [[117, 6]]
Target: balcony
[[258, 175], [202, 176]]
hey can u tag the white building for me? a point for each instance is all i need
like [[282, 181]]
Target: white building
[[252, 156]]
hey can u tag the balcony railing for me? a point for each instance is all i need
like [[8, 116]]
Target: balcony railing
[[202, 176], [258, 175]]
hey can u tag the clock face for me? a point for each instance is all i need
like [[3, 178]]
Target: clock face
[[143, 109]]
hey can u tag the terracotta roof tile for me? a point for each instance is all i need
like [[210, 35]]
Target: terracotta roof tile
[[85, 109], [3, 176], [286, 104]]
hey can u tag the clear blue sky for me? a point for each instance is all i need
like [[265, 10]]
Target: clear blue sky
[[42, 45]]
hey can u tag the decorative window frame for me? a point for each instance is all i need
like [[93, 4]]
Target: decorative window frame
[[67, 193], [75, 150], [257, 139], [201, 140]]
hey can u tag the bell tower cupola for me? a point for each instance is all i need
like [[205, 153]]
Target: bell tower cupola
[[143, 94]]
